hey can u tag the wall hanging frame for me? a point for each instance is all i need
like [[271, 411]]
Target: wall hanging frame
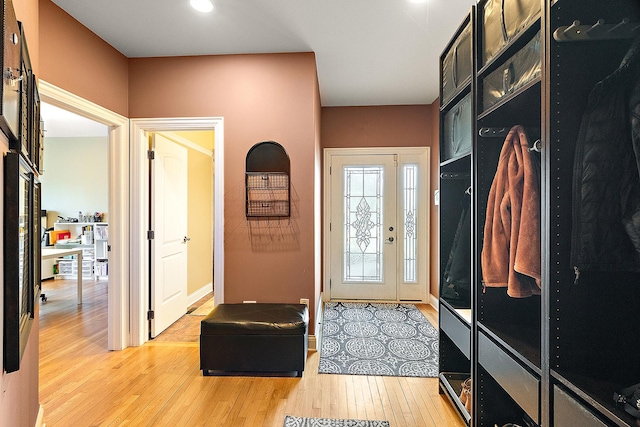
[[267, 181]]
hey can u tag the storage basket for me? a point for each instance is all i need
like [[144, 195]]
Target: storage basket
[[513, 74], [457, 130], [502, 21], [456, 64]]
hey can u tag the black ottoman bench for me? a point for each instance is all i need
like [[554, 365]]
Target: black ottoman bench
[[262, 338]]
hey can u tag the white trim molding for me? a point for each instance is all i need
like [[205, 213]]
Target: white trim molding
[[196, 296], [434, 302], [40, 417], [186, 143], [313, 344], [140, 211], [119, 258]]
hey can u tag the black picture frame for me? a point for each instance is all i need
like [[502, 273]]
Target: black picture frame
[[11, 87], [19, 258]]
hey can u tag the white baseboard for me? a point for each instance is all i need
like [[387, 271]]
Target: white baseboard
[[433, 301], [40, 419], [313, 344], [195, 296]]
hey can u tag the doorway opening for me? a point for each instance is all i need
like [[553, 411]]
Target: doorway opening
[[141, 213], [118, 204], [75, 194], [376, 227]]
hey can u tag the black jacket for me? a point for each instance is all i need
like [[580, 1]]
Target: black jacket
[[606, 201]]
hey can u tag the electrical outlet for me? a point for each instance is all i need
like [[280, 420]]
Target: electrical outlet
[[304, 301]]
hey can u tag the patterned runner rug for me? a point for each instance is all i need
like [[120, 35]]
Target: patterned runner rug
[[377, 339], [290, 421]]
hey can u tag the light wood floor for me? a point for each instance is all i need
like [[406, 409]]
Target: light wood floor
[[159, 383]]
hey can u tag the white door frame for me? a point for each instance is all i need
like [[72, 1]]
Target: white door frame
[[118, 204], [140, 212], [328, 152]]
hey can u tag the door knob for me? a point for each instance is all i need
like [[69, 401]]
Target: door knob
[[186, 239]]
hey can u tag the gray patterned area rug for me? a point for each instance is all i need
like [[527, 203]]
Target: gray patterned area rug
[[377, 339], [290, 421]]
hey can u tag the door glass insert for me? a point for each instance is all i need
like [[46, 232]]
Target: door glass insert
[[410, 213], [363, 202]]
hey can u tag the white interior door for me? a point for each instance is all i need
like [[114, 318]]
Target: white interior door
[[169, 224], [378, 232]]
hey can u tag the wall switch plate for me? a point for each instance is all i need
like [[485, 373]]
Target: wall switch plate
[[304, 301]]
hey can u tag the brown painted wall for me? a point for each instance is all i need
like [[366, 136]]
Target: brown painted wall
[[377, 126], [261, 97], [28, 13], [77, 60], [390, 126]]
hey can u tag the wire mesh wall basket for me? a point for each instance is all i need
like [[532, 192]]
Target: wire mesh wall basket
[[267, 194], [267, 181]]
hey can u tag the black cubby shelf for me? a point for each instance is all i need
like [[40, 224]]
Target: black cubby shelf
[[553, 359], [451, 384]]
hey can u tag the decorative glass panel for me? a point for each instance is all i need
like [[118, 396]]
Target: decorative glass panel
[[410, 214], [363, 201]]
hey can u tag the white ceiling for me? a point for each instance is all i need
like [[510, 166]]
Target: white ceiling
[[368, 52], [59, 123]]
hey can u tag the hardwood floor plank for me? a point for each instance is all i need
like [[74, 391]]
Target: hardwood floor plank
[[160, 383]]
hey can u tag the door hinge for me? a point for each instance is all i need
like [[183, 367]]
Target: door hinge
[[329, 283], [150, 315], [329, 227], [395, 160], [150, 235], [151, 154], [108, 248]]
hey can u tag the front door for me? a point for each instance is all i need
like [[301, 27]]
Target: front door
[[378, 230], [169, 224]]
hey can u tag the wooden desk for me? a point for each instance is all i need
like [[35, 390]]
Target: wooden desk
[[56, 253]]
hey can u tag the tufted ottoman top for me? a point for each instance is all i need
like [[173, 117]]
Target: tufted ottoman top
[[256, 319]]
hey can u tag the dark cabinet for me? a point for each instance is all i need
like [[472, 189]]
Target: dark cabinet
[[457, 125], [555, 101]]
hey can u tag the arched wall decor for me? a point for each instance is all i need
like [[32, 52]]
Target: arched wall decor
[[267, 181]]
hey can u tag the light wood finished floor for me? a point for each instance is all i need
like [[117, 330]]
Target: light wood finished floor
[[159, 383]]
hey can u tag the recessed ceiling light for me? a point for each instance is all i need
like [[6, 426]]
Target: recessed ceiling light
[[204, 6]]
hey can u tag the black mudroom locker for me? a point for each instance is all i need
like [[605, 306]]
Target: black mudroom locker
[[548, 331]]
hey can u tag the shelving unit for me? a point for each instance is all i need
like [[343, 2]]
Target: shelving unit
[[456, 122], [555, 357], [95, 254], [101, 250]]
